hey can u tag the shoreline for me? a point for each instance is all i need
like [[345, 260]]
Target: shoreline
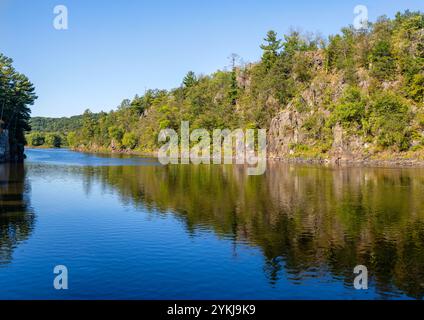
[[386, 163]]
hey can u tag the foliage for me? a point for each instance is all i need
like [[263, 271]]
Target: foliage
[[16, 95], [271, 48], [350, 110], [53, 140], [35, 139], [369, 81], [45, 139], [56, 124], [129, 140], [389, 121]]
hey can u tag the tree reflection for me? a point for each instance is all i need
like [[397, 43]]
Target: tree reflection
[[16, 217], [306, 220]]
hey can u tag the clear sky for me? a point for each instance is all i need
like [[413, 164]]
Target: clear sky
[[116, 49]]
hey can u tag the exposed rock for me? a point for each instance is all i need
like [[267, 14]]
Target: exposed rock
[[346, 148], [287, 127], [284, 132], [4, 145]]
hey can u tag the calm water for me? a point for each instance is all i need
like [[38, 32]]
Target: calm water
[[128, 228]]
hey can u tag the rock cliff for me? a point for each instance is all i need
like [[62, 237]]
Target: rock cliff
[[4, 146]]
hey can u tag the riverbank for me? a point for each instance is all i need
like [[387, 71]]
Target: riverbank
[[379, 160]]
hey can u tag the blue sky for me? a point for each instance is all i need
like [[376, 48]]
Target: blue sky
[[116, 49]]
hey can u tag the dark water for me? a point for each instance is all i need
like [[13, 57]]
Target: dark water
[[128, 228]]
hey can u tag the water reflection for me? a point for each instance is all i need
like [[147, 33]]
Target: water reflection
[[16, 217], [306, 220]]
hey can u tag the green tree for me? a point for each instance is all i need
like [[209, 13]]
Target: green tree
[[382, 62], [116, 134], [72, 139], [129, 140], [53, 140], [416, 89], [390, 121], [350, 111], [189, 80], [271, 49], [35, 139], [89, 125], [16, 95]]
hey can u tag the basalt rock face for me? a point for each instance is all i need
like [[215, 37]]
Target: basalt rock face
[[347, 148], [284, 132], [287, 131], [4, 146], [10, 152], [299, 130]]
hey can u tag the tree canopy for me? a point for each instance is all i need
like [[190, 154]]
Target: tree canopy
[[16, 95]]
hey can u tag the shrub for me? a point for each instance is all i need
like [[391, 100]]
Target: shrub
[[389, 121], [53, 140], [116, 133], [129, 140], [416, 90], [72, 139], [35, 139], [351, 108]]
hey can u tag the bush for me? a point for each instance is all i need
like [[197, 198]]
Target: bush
[[116, 134], [53, 140], [129, 140], [351, 109], [35, 139], [72, 139], [382, 61], [389, 121], [416, 90]]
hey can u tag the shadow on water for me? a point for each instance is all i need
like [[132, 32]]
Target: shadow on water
[[16, 217], [307, 221]]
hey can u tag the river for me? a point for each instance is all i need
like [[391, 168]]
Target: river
[[129, 228]]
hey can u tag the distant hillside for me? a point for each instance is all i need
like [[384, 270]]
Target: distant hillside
[[64, 124]]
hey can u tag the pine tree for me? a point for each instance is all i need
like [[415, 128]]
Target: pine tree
[[190, 80], [271, 49]]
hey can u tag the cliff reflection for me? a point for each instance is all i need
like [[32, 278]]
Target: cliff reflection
[[16, 217], [306, 220]]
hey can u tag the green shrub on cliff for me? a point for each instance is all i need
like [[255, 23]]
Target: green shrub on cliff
[[389, 121], [350, 110], [129, 140]]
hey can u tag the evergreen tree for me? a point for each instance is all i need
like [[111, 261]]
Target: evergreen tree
[[190, 80], [271, 48]]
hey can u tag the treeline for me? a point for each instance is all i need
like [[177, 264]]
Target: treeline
[[64, 124], [46, 139], [370, 82], [16, 95], [52, 132]]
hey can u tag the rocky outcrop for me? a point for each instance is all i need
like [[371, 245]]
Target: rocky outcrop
[[300, 125], [284, 132], [346, 148]]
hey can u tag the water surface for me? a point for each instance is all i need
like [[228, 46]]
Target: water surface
[[129, 228]]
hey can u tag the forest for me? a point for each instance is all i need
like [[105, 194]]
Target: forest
[[367, 83]]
